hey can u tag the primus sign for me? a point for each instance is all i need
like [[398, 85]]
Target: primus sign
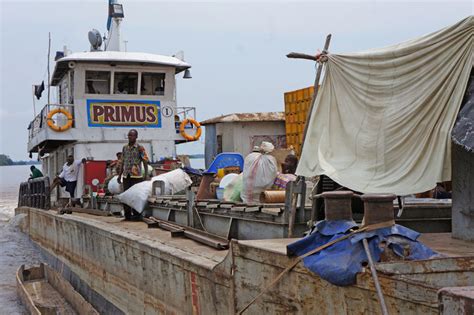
[[107, 113]]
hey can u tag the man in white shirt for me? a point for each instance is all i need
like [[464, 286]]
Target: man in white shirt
[[68, 176]]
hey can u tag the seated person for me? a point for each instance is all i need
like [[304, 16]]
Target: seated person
[[115, 164], [440, 192], [35, 173], [159, 90], [121, 88], [90, 88], [113, 168], [289, 166]]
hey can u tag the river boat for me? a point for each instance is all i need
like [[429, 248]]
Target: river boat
[[193, 256], [44, 291], [102, 94]]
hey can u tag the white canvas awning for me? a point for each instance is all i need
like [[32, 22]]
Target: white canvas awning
[[382, 118]]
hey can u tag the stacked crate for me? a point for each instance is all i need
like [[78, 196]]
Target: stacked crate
[[297, 104]]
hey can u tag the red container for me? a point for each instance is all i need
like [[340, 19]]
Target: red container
[[169, 164], [92, 170]]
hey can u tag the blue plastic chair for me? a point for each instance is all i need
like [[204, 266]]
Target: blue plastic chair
[[225, 160]]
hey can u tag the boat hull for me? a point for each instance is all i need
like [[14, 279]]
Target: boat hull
[[141, 270]]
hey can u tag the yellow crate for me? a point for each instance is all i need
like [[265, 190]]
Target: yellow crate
[[297, 104]]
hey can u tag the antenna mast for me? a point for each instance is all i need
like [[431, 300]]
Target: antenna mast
[[49, 76], [113, 26]]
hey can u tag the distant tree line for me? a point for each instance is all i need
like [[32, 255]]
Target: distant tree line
[[6, 160]]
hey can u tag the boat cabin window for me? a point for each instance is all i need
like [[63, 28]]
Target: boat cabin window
[[153, 84], [125, 82], [97, 82]]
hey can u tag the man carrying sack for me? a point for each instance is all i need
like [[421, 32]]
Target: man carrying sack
[[134, 163]]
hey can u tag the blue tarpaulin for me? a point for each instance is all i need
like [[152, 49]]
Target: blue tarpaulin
[[340, 262]]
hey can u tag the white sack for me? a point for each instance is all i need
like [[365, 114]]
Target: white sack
[[175, 181], [382, 120], [137, 195], [114, 187], [260, 170]]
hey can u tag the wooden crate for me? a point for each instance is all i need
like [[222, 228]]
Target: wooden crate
[[297, 104]]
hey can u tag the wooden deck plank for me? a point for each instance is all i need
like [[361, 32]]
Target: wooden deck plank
[[445, 244]]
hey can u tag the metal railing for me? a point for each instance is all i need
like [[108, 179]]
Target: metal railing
[[35, 193], [183, 113], [40, 121], [186, 112]]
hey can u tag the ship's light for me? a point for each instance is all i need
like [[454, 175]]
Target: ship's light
[[116, 10]]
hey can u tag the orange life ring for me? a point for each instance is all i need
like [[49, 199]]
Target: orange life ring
[[185, 135], [55, 127]]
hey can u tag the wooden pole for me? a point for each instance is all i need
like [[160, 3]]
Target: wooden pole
[[315, 93], [34, 103], [295, 55], [316, 87], [383, 306], [49, 76]]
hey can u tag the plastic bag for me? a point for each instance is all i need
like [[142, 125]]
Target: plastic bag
[[282, 180], [137, 195], [260, 171], [114, 187], [149, 168], [233, 190], [266, 147]]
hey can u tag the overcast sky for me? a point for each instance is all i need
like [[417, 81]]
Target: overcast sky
[[236, 49]]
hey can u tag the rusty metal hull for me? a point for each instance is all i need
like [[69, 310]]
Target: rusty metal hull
[[142, 270], [408, 287], [137, 274]]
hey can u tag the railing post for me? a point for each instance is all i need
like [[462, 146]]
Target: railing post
[[29, 203], [47, 192], [190, 198], [20, 195]]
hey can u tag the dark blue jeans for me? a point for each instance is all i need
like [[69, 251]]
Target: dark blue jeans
[[127, 183]]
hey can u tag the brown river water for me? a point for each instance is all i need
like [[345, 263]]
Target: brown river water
[[15, 247]]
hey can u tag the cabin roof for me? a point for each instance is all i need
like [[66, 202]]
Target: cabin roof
[[116, 57], [246, 117]]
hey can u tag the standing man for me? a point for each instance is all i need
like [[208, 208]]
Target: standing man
[[134, 160], [68, 177]]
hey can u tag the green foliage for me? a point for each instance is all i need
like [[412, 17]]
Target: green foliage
[[5, 160]]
